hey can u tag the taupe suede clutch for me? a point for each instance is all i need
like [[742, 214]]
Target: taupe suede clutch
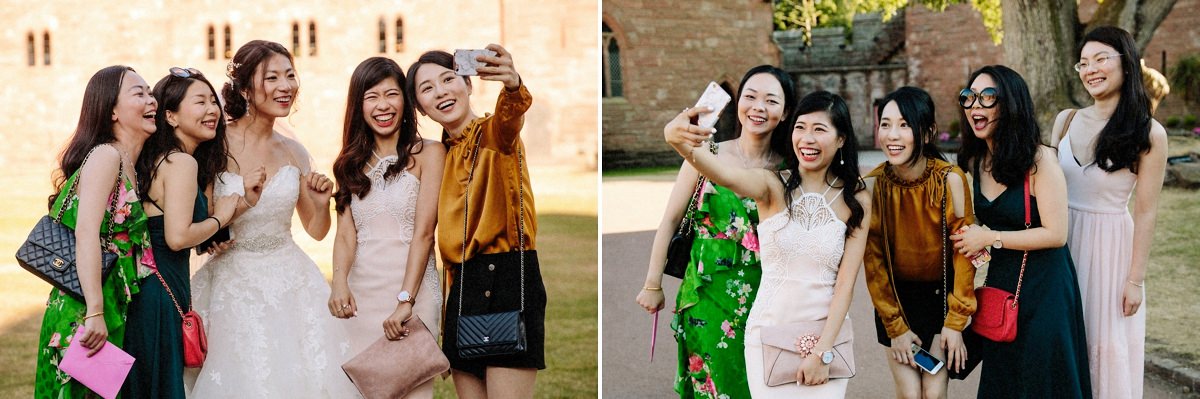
[[392, 369], [781, 358]]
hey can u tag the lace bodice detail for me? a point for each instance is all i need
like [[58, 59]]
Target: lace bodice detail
[[394, 199], [268, 224]]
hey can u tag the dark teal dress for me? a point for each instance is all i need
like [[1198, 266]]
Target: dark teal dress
[[1049, 357], [154, 332]]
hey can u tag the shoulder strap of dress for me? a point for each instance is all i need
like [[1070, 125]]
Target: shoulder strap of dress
[[1067, 125]]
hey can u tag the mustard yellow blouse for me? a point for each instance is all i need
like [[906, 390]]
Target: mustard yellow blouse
[[904, 243], [493, 216]]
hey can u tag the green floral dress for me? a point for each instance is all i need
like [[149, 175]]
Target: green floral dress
[[64, 313], [714, 300]]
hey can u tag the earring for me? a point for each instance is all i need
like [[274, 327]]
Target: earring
[[841, 158]]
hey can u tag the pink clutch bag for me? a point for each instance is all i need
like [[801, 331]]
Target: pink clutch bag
[[103, 373], [391, 369]]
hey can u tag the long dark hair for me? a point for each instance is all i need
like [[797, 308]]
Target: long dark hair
[[846, 166], [358, 140], [211, 156], [916, 106], [95, 125], [241, 74], [784, 129], [1126, 136], [1016, 137]]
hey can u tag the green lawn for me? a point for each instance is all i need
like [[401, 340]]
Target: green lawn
[[567, 243]]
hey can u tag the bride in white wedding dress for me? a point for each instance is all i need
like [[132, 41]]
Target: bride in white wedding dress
[[262, 299]]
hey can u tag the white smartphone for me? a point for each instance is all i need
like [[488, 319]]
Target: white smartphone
[[926, 361], [716, 98], [465, 63]]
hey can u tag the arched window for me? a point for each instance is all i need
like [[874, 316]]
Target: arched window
[[212, 42], [382, 36], [613, 84], [399, 34], [31, 49], [46, 48], [228, 42], [312, 38], [295, 39]]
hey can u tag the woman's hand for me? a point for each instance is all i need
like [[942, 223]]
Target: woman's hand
[[341, 301], [901, 349], [1132, 299], [95, 334], [252, 184], [973, 240], [652, 301], [499, 68], [218, 248], [319, 188], [393, 326], [956, 350], [812, 371], [680, 131], [225, 208]]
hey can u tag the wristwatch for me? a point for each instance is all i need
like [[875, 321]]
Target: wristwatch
[[997, 244], [827, 357], [405, 296]]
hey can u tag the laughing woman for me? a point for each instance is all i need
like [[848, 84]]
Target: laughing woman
[[97, 197]]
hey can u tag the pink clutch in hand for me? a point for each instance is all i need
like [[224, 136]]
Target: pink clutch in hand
[[103, 373]]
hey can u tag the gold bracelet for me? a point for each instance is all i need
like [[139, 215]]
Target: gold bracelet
[[652, 288], [93, 315], [1143, 284]]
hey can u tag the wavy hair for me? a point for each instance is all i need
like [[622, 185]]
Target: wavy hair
[[358, 140], [212, 156], [1016, 137], [95, 125]]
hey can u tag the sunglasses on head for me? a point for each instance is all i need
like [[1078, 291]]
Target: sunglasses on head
[[986, 97], [185, 72]]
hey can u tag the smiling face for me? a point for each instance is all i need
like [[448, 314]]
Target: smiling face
[[275, 91], [135, 107], [761, 104], [383, 107], [1103, 75], [983, 120], [442, 95], [895, 135], [815, 140], [196, 120]]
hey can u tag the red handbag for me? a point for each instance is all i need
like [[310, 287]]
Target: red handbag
[[996, 317], [195, 343]]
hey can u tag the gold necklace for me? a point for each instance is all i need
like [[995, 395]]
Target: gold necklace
[[762, 161]]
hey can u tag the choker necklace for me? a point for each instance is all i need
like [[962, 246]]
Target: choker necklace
[[762, 161]]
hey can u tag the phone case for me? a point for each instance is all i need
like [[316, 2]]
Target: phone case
[[465, 63], [716, 98]]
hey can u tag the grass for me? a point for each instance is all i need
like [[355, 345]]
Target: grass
[[638, 171], [567, 242]]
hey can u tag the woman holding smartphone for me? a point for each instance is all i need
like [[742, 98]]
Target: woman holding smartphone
[[176, 164], [921, 288], [1111, 151], [97, 197], [722, 277], [488, 224], [1014, 176]]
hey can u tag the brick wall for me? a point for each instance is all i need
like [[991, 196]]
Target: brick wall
[[943, 49], [670, 49], [1178, 36]]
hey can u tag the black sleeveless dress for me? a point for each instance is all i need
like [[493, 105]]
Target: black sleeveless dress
[[154, 330], [1049, 357]]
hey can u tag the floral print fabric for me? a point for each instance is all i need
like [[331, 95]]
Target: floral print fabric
[[715, 298], [131, 242]]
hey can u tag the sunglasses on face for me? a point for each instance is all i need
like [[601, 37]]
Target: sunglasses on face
[[185, 72], [1100, 61], [986, 97]]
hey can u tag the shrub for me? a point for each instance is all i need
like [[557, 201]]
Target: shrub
[[1189, 121], [1185, 76], [1173, 122]]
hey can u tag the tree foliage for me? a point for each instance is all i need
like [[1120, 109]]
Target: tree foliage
[[806, 15], [1185, 75]]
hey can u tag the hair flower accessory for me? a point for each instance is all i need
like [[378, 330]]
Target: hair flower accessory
[[231, 69]]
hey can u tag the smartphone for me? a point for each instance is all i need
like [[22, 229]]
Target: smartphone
[[465, 63], [981, 258], [715, 98], [926, 361]]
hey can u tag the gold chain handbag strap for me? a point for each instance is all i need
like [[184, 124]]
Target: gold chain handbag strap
[[520, 226], [686, 222], [172, 294], [71, 192], [945, 244]]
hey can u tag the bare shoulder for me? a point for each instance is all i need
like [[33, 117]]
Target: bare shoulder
[[431, 151], [955, 178], [1158, 134], [103, 154]]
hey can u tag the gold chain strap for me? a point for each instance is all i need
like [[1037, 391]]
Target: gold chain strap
[[520, 226]]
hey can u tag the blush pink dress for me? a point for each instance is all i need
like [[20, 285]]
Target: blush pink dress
[[1101, 241]]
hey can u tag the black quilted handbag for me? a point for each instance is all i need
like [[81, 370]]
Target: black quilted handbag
[[679, 251], [500, 333], [49, 252]]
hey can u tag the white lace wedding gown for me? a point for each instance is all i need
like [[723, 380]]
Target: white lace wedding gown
[[800, 259], [270, 334]]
